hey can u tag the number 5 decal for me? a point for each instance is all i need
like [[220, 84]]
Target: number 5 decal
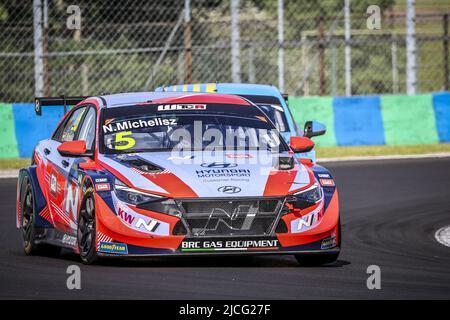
[[123, 142]]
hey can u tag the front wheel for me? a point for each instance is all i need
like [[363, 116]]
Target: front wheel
[[86, 233]]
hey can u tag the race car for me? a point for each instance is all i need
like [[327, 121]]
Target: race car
[[268, 98], [166, 173]]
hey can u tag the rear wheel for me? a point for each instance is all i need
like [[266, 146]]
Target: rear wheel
[[28, 223], [86, 230], [319, 259], [27, 218]]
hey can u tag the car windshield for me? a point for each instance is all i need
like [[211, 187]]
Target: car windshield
[[149, 128], [273, 108]]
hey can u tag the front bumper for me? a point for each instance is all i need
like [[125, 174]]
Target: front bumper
[[114, 238]]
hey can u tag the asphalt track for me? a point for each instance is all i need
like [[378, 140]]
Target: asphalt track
[[390, 211]]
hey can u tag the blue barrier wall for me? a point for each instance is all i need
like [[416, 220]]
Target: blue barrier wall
[[351, 121], [30, 128], [357, 121], [441, 104]]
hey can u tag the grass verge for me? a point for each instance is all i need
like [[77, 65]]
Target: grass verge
[[337, 152], [16, 163]]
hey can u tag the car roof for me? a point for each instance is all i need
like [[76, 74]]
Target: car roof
[[132, 98], [226, 88]]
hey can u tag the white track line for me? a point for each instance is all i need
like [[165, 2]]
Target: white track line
[[443, 236], [392, 157], [9, 173]]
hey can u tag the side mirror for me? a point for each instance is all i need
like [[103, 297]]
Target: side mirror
[[301, 144], [73, 148], [286, 98], [314, 128]]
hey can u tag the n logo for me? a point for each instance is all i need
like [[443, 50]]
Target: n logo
[[151, 226], [72, 201]]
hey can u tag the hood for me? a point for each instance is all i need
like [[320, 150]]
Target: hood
[[194, 175]]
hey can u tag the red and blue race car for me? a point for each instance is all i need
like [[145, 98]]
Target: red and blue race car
[[166, 173]]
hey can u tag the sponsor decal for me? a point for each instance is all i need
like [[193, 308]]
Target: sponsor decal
[[72, 200], [113, 247], [229, 189], [125, 216], [102, 187], [219, 165], [239, 156], [167, 107], [308, 221], [137, 124], [328, 243], [139, 222], [149, 224], [231, 245], [69, 240], [327, 182], [53, 184], [222, 173], [240, 217], [100, 180], [323, 175]]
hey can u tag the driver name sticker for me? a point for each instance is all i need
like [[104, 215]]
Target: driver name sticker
[[137, 124]]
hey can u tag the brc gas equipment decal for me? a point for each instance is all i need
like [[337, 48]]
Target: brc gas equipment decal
[[225, 245]]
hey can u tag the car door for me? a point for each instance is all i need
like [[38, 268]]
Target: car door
[[63, 195], [85, 131]]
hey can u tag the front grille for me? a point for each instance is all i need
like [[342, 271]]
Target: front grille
[[231, 217]]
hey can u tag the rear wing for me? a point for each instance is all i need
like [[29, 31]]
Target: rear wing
[[65, 101]]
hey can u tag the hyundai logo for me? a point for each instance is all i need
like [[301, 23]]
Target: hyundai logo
[[219, 165], [229, 189]]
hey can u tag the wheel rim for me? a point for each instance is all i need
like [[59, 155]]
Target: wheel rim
[[27, 215], [86, 227]]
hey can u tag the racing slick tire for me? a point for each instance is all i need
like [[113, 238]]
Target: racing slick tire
[[319, 259], [28, 223], [86, 231]]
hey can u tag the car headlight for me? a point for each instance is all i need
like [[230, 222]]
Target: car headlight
[[132, 196], [308, 197]]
